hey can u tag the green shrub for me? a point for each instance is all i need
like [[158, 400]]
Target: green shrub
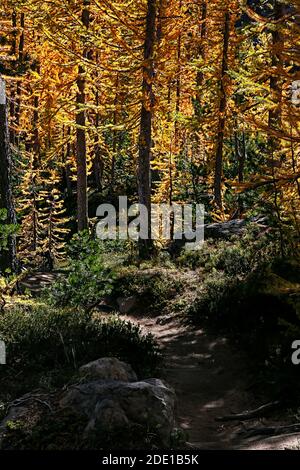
[[92, 271], [254, 311], [44, 338], [83, 245], [237, 257], [212, 298], [86, 282], [194, 259], [152, 286]]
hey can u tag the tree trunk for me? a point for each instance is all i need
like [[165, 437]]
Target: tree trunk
[[67, 173], [13, 88], [145, 136], [82, 198], [98, 166], [178, 85], [275, 79], [35, 130], [20, 60], [201, 54], [222, 114], [274, 121], [240, 151], [115, 138], [8, 258]]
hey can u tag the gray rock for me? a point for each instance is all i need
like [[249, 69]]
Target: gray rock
[[112, 400], [109, 368], [127, 304], [111, 406], [224, 230], [108, 415]]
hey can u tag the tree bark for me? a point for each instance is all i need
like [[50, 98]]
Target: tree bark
[[82, 198], [275, 79], [20, 60], [145, 136], [67, 173], [13, 88], [7, 258], [222, 114], [201, 54], [35, 130], [115, 138], [98, 166]]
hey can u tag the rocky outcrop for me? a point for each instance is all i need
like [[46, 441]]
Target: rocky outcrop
[[109, 406], [108, 368], [224, 230], [127, 304], [220, 231], [108, 400]]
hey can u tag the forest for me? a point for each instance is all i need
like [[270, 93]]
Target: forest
[[137, 342]]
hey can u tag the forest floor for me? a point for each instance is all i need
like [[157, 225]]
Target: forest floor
[[211, 380]]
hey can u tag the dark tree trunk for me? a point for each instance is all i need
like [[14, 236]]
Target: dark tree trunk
[[222, 114], [115, 138], [275, 112], [275, 79], [20, 60], [98, 166], [82, 198], [7, 258], [240, 151], [12, 105], [145, 136], [178, 85], [67, 173], [201, 54], [35, 133]]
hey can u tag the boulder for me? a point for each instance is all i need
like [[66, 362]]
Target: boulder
[[219, 231], [109, 368], [224, 230], [110, 400], [113, 405], [127, 304]]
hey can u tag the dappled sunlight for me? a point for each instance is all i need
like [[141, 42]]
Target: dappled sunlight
[[213, 404]]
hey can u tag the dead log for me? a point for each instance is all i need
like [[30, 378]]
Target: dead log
[[257, 412], [272, 430]]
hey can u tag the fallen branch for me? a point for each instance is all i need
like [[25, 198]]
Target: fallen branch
[[273, 430], [250, 414], [21, 401]]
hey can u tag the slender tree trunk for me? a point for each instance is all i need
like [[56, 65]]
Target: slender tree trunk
[[20, 60], [12, 106], [222, 114], [201, 54], [178, 84], [240, 151], [145, 137], [276, 62], [8, 258], [97, 161], [115, 138], [66, 152], [275, 112], [98, 166], [274, 120], [36, 137], [82, 198]]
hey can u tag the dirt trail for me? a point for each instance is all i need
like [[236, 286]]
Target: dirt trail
[[210, 380]]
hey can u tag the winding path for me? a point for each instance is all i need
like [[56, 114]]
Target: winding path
[[210, 380]]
